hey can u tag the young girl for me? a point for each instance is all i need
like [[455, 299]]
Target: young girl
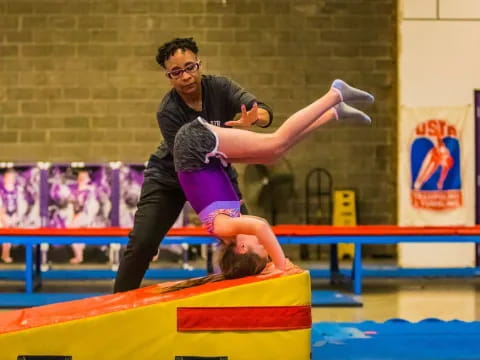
[[200, 149]]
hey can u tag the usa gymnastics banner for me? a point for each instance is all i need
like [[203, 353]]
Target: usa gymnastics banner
[[436, 166]]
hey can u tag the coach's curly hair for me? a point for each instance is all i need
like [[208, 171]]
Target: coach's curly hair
[[169, 48], [232, 264]]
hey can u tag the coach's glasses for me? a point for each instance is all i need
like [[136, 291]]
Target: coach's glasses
[[190, 68]]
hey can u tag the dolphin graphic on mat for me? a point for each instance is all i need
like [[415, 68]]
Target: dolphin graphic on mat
[[335, 334]]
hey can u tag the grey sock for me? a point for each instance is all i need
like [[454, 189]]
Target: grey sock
[[351, 94], [344, 111]]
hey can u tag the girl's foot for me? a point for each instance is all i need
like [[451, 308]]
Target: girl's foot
[[76, 261], [350, 94], [344, 111], [7, 260]]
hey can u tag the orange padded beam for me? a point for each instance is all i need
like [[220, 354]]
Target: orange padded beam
[[280, 230]]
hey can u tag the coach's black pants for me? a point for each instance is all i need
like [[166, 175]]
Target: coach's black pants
[[157, 211]]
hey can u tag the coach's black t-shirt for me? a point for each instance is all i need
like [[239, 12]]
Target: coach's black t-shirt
[[221, 100]]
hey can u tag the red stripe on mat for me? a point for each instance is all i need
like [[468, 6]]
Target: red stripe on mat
[[244, 318]]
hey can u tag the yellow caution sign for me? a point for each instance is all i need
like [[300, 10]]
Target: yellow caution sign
[[344, 214]]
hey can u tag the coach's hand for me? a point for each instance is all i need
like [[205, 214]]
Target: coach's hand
[[247, 118]]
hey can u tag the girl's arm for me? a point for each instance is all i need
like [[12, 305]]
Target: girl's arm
[[226, 226]]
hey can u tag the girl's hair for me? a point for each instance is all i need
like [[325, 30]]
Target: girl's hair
[[193, 282], [232, 265]]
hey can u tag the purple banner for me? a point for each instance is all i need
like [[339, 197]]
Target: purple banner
[[130, 184], [79, 196], [20, 196]]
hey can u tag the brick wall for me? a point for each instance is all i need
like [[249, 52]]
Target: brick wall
[[79, 81]]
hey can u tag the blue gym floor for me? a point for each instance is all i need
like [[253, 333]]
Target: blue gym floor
[[429, 339]]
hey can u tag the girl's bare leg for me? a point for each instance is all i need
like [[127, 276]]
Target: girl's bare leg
[[6, 247], [443, 176], [77, 253], [429, 166], [241, 144]]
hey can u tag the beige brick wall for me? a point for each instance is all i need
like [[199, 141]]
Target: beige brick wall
[[79, 81]]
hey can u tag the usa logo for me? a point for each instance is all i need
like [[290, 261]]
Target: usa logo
[[435, 166]]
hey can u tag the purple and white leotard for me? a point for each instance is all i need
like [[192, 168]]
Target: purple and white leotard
[[210, 192]]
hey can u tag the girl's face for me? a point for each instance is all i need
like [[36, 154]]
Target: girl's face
[[250, 243], [83, 177], [9, 180]]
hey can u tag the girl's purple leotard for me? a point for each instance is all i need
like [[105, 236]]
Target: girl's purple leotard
[[210, 192]]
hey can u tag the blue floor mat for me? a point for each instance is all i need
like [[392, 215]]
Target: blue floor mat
[[429, 339], [332, 299]]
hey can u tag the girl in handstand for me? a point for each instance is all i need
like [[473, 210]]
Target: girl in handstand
[[200, 150]]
